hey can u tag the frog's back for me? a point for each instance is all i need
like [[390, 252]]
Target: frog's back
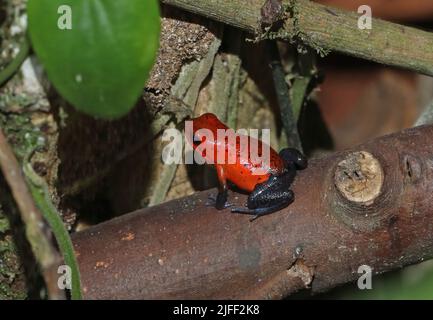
[[246, 173], [240, 169]]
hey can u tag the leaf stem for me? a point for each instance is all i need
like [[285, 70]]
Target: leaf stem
[[16, 63], [39, 190], [282, 90]]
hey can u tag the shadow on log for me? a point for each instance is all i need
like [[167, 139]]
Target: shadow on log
[[368, 206]]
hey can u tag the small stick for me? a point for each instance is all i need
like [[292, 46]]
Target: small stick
[[36, 229]]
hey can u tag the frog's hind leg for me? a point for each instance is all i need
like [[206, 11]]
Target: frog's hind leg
[[262, 211]]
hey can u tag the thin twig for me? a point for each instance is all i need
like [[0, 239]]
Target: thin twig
[[39, 191], [325, 28], [283, 95], [36, 229]]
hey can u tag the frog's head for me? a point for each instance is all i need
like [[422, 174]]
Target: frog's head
[[204, 129]]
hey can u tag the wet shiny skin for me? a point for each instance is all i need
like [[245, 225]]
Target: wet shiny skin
[[268, 188]]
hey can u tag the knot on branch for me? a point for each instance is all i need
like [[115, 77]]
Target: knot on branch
[[362, 192], [271, 14], [359, 177], [280, 21]]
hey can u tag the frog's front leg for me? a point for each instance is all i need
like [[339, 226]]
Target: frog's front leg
[[220, 201], [270, 196]]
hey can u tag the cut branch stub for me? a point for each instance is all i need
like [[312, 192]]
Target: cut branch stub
[[363, 189], [359, 177]]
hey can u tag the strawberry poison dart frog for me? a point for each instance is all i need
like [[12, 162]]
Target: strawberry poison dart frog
[[268, 184]]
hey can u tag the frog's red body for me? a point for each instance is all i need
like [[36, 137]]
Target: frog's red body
[[244, 175]]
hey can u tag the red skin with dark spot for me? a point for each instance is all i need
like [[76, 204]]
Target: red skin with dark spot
[[242, 175]]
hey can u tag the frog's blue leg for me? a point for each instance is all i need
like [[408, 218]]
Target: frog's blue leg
[[279, 204]]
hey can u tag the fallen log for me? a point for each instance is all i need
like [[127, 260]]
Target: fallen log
[[371, 205]]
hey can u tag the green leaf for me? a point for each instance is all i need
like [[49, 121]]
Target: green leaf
[[101, 63]]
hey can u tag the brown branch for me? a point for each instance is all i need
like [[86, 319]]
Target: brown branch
[[324, 27], [352, 208], [37, 231]]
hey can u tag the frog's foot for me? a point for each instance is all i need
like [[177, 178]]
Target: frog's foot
[[219, 204], [258, 212]]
